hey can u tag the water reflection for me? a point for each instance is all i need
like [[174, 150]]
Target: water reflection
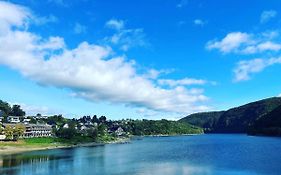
[[207, 155], [13, 164]]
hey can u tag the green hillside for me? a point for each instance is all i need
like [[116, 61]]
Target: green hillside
[[206, 120], [269, 124], [235, 120]]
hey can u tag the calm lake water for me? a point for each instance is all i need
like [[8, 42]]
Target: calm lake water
[[214, 154]]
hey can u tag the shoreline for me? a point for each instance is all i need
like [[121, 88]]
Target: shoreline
[[14, 149], [9, 150]]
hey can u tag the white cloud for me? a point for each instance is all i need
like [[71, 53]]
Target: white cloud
[[267, 15], [31, 110], [244, 43], [91, 71], [265, 46], [12, 15], [115, 24], [245, 69], [79, 28], [230, 42], [125, 38], [182, 82], [199, 22], [279, 95]]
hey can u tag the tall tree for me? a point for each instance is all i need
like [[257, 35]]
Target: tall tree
[[17, 111], [5, 108]]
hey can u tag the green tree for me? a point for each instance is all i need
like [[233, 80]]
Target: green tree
[[17, 111], [67, 133], [18, 131], [102, 129], [92, 132], [5, 107], [9, 132]]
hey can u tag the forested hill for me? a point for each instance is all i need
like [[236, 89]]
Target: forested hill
[[269, 124], [235, 120], [206, 120]]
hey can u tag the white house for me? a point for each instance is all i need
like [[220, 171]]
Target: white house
[[26, 120], [13, 119], [65, 126]]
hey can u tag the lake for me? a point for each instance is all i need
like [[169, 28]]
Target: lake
[[213, 154]]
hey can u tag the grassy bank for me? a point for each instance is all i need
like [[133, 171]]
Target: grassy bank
[[33, 144]]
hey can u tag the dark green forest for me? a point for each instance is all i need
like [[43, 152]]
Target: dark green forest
[[247, 118]]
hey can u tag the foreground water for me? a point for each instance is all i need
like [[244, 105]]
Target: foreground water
[[183, 155]]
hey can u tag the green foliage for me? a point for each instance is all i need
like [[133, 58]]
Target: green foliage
[[162, 127], [14, 133], [18, 131], [9, 132], [102, 129], [269, 124], [206, 120], [56, 119], [66, 133], [92, 132], [235, 120], [5, 107], [17, 111]]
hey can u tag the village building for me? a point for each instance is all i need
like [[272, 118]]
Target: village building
[[13, 119], [65, 126], [34, 130], [37, 130], [26, 120]]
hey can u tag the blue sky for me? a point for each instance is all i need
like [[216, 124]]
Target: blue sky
[[138, 59]]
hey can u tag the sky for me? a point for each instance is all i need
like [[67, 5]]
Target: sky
[[138, 59]]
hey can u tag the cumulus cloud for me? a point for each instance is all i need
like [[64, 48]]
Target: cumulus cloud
[[230, 42], [267, 15], [125, 38], [91, 71], [246, 68], [245, 43], [12, 15], [279, 95]]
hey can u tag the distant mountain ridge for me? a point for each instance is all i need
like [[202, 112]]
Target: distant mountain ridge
[[235, 120]]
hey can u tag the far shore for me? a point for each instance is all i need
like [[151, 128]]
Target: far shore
[[13, 148]]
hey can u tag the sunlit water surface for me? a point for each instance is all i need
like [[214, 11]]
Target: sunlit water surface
[[214, 154]]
